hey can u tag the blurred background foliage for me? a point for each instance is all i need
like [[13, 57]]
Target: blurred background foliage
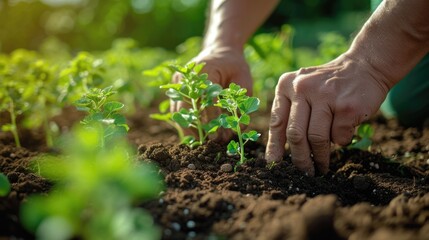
[[95, 24]]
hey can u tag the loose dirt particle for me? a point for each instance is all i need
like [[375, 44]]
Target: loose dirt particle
[[226, 167]]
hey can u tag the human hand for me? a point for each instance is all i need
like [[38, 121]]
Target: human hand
[[223, 65], [319, 105]]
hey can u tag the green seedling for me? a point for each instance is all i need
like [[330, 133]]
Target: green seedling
[[239, 105], [103, 112], [199, 93], [4, 185], [165, 116], [95, 191], [363, 139]]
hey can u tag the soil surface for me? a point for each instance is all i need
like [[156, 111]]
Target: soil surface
[[381, 194]]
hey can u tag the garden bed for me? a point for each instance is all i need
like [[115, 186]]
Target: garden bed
[[382, 194]]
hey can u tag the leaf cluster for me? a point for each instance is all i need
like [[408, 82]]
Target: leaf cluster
[[198, 92], [239, 106], [102, 111]]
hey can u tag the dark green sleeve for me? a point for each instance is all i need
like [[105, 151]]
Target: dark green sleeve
[[408, 101]]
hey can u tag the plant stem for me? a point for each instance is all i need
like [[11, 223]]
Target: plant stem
[[48, 138], [240, 139], [14, 128], [199, 125]]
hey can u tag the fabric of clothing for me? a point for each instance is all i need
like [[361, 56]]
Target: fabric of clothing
[[408, 100]]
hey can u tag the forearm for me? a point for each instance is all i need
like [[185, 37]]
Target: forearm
[[394, 39], [232, 22]]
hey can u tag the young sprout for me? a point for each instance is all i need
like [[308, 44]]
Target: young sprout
[[239, 105], [198, 92], [363, 139], [104, 112]]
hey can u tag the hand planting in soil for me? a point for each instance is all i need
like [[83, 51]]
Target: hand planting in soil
[[4, 185], [198, 92], [239, 105], [101, 111]]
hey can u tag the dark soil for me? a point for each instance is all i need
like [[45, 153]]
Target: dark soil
[[382, 194]]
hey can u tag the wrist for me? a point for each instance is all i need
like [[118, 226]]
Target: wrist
[[223, 44], [364, 65], [219, 48]]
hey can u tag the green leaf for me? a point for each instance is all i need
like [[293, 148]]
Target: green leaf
[[174, 95], [7, 127], [190, 65], [199, 67], [4, 185], [362, 144], [249, 105], [119, 119], [365, 131], [245, 119], [184, 120], [232, 122], [113, 106], [213, 90], [161, 117], [164, 106], [232, 147], [175, 86], [188, 140], [252, 136], [212, 126]]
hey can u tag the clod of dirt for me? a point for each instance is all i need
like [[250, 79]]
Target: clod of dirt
[[226, 167], [191, 166], [361, 182]]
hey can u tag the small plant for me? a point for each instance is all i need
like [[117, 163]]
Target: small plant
[[4, 185], [363, 139], [199, 93], [239, 105], [104, 112]]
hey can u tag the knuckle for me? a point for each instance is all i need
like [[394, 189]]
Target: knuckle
[[318, 140], [276, 120], [295, 135], [346, 107]]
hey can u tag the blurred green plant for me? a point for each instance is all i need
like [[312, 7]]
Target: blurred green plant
[[363, 139], [4, 185], [239, 106], [82, 73], [94, 193], [269, 56], [198, 92], [125, 62], [15, 89]]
